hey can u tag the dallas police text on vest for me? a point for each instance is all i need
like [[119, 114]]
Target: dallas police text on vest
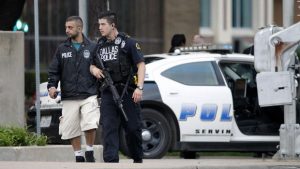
[[109, 53]]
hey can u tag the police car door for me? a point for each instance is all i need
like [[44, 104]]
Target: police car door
[[195, 90]]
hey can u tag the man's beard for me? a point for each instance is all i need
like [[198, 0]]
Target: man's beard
[[73, 36]]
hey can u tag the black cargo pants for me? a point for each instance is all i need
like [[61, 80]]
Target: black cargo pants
[[112, 119]]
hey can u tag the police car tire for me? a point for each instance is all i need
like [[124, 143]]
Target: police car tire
[[160, 141]]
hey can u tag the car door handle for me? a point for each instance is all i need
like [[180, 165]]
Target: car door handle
[[173, 93]]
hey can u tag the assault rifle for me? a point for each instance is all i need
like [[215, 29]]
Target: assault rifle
[[109, 82]]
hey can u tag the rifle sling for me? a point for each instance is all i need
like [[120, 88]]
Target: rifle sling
[[126, 85]]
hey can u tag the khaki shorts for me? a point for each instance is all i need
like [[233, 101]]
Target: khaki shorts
[[78, 116]]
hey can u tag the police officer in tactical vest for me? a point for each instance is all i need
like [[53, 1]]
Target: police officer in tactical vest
[[123, 60]]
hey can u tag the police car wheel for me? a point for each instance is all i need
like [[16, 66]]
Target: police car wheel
[[160, 140], [156, 135]]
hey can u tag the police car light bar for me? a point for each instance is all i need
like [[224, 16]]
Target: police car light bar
[[224, 48]]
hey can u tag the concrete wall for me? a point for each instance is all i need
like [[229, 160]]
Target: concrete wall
[[181, 17], [12, 78]]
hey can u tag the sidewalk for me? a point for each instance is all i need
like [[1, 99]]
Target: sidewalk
[[62, 157], [160, 164]]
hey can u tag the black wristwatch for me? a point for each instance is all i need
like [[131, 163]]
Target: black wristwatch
[[139, 87]]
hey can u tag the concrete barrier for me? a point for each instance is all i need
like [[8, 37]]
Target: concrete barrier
[[12, 79], [50, 153]]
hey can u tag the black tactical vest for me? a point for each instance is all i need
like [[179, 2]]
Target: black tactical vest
[[115, 58]]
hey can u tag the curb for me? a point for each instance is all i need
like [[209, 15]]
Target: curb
[[52, 153]]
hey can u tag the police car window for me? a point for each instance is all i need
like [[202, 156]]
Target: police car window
[[240, 71], [193, 74]]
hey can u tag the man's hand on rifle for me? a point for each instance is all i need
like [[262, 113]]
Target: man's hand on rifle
[[96, 72]]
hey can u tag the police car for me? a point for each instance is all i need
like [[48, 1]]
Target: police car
[[50, 110], [205, 101], [195, 100]]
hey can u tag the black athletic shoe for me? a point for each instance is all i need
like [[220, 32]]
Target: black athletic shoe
[[79, 159], [89, 156]]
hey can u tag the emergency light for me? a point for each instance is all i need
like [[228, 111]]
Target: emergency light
[[221, 48]]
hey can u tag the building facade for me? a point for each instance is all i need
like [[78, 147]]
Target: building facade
[[154, 22], [236, 21]]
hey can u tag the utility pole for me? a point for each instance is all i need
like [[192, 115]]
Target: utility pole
[[82, 5], [107, 5], [289, 130], [288, 12], [37, 66]]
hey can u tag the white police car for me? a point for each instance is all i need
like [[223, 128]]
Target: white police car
[[205, 101], [50, 110]]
